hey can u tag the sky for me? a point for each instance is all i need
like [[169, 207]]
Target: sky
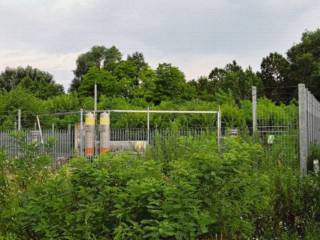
[[195, 36]]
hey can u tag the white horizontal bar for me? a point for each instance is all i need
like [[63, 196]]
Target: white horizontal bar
[[162, 111]]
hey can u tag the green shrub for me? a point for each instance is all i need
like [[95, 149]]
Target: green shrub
[[192, 191]]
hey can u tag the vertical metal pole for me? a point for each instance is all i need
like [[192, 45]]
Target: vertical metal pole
[[40, 130], [148, 126], [309, 115], [95, 98], [19, 119], [81, 132], [96, 118], [303, 135], [219, 129], [254, 110], [313, 120]]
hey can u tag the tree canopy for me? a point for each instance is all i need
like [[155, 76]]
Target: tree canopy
[[98, 56], [40, 83], [132, 83]]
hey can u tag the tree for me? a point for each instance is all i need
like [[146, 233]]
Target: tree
[[106, 83], [19, 98], [170, 84], [98, 56], [147, 87], [274, 76], [137, 59], [204, 88], [40, 83], [304, 59], [233, 79]]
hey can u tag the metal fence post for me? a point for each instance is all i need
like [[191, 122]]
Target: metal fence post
[[254, 110], [303, 135], [81, 132], [219, 130], [19, 119], [148, 126]]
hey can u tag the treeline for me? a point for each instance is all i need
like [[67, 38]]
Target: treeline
[[131, 82]]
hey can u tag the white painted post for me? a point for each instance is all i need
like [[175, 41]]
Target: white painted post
[[303, 135]]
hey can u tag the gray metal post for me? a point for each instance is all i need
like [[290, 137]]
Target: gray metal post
[[303, 135], [254, 110], [219, 129], [96, 140], [81, 132], [19, 119], [148, 126], [95, 98]]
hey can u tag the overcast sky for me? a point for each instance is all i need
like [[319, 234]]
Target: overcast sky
[[193, 35]]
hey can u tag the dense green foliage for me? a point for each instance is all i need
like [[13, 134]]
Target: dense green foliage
[[132, 83], [40, 83], [180, 189]]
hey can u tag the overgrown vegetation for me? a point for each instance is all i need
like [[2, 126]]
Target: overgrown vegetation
[[179, 189], [182, 188]]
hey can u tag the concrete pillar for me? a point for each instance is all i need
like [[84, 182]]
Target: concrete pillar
[[104, 133], [89, 134]]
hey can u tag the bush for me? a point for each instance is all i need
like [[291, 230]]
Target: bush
[[191, 192]]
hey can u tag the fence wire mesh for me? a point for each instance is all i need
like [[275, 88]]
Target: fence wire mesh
[[277, 132], [309, 125], [141, 134], [62, 143], [58, 143]]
